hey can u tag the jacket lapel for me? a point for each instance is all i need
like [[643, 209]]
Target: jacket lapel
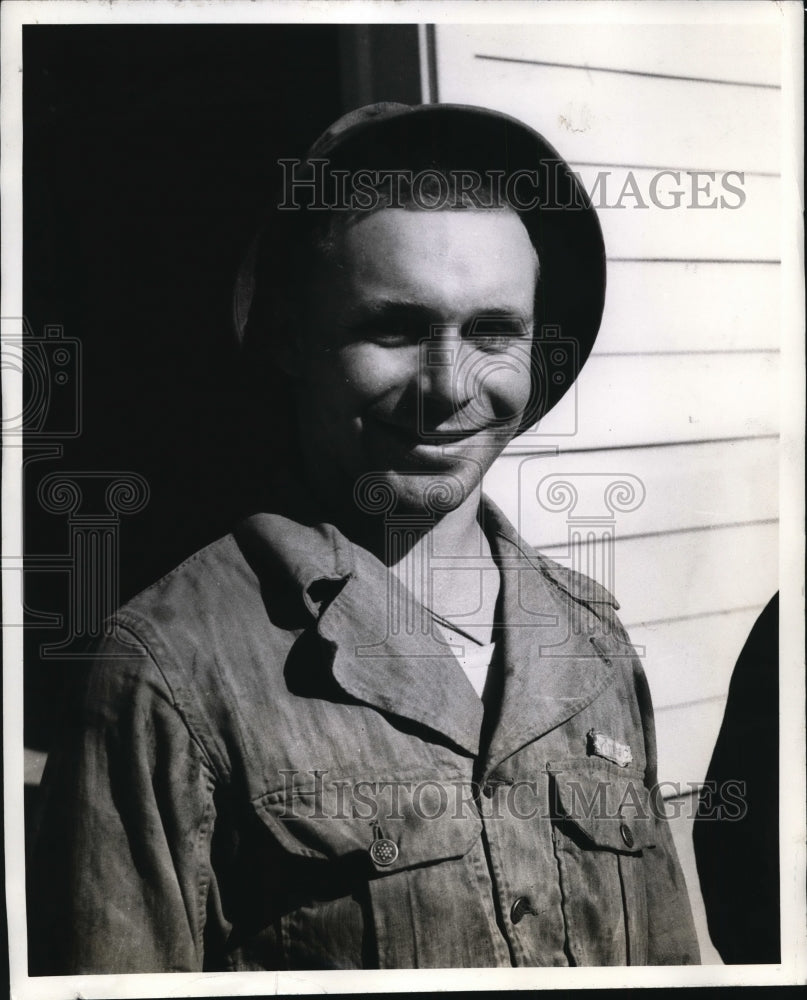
[[384, 650], [551, 667], [386, 654]]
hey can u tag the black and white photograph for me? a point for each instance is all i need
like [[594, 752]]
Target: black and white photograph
[[403, 505]]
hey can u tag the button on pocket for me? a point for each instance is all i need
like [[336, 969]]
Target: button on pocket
[[314, 823], [384, 852]]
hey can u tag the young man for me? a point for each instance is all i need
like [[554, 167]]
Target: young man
[[372, 727]]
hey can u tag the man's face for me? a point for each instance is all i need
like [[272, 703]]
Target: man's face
[[414, 358]]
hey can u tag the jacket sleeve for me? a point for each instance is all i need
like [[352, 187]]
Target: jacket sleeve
[[672, 939], [120, 874]]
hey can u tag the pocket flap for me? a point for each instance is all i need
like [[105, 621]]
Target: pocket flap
[[426, 821], [613, 808]]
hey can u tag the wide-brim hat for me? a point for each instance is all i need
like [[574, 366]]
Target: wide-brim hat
[[547, 194]]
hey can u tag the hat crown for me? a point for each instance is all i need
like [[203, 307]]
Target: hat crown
[[331, 136]]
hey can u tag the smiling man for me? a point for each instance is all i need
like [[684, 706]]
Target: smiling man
[[413, 367], [372, 727]]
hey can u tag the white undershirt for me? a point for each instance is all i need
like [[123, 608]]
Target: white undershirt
[[474, 659]]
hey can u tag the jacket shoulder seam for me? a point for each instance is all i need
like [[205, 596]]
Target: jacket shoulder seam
[[135, 626]]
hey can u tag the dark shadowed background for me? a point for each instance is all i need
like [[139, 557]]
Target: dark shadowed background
[[149, 154]]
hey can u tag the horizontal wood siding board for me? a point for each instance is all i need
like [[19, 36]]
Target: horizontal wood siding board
[[656, 398], [515, 448], [649, 215], [686, 737], [745, 53], [687, 662], [688, 574], [666, 578], [588, 116], [588, 68], [684, 488], [658, 167]]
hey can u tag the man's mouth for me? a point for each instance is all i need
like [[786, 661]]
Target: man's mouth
[[413, 437]]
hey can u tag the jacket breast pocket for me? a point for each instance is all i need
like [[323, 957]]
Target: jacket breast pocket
[[390, 824], [369, 888], [603, 825]]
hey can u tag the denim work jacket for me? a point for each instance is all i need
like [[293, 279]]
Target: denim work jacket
[[265, 777]]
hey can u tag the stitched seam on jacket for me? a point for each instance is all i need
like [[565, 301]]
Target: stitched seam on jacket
[[536, 560], [206, 868], [571, 943], [134, 628]]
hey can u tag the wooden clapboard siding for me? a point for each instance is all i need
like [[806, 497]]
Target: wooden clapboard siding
[[729, 483], [681, 390], [710, 133], [643, 216], [717, 51], [657, 398], [653, 308], [693, 655], [632, 114], [686, 736], [683, 574]]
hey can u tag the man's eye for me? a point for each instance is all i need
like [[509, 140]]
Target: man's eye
[[385, 335], [497, 326], [389, 338], [496, 333], [394, 331]]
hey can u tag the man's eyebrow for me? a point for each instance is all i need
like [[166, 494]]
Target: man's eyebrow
[[502, 313], [388, 310], [405, 309]]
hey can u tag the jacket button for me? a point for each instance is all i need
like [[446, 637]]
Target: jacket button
[[521, 906], [627, 834], [383, 852]]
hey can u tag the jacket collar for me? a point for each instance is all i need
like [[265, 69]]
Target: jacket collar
[[550, 642], [296, 557], [384, 652], [387, 654], [407, 670]]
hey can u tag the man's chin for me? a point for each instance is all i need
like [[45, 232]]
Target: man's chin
[[431, 494]]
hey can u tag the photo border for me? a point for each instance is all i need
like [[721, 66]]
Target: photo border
[[793, 969]]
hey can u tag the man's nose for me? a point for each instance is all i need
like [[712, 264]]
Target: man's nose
[[442, 388]]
